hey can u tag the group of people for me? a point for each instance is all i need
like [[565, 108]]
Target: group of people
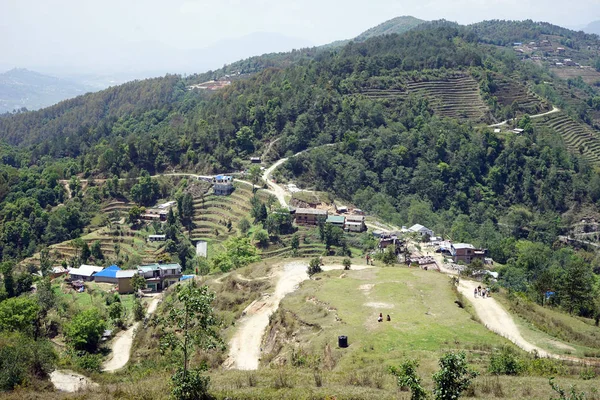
[[380, 318], [481, 292]]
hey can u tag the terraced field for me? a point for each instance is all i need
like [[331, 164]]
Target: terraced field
[[213, 212], [508, 92], [130, 244], [578, 137], [455, 97]]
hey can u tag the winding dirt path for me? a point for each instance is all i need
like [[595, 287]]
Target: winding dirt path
[[554, 110], [499, 321], [121, 346], [244, 346]]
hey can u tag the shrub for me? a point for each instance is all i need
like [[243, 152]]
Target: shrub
[[89, 362], [314, 266], [453, 378], [407, 377], [347, 263], [505, 362], [190, 384], [85, 331]]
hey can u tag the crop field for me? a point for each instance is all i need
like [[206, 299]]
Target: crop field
[[213, 212], [508, 92], [454, 97], [578, 137], [589, 75]]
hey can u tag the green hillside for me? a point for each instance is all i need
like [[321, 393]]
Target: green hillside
[[475, 132]]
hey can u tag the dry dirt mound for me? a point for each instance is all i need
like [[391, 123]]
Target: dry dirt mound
[[69, 381]]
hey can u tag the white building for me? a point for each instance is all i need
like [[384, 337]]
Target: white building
[[421, 230]]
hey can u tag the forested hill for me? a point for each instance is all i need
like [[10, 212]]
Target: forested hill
[[85, 120], [408, 115]]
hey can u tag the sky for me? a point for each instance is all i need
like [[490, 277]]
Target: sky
[[121, 35]]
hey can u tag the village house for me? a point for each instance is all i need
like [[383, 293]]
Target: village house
[[309, 216], [124, 281], [255, 160], [336, 220], [160, 276], [355, 223], [57, 271], [157, 238], [466, 253], [84, 272], [420, 229], [223, 185], [107, 275]]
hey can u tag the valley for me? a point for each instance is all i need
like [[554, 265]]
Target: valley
[[316, 227]]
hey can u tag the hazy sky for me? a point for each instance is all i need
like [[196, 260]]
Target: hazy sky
[[89, 33]]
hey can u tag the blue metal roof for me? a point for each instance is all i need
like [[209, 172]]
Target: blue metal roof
[[109, 272]]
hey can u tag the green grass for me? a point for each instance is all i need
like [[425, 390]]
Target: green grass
[[553, 330], [425, 319]]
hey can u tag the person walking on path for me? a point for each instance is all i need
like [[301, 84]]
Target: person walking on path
[[475, 292]]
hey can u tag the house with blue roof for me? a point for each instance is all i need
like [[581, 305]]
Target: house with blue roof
[[223, 185], [107, 275]]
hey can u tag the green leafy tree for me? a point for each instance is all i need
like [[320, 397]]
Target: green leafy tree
[[244, 225], [314, 266], [407, 377], [138, 309], [7, 274], [189, 323], [85, 330], [138, 282], [254, 175], [96, 250], [45, 261], [453, 378], [19, 314], [135, 214], [185, 207], [262, 237], [295, 243], [85, 252], [389, 256], [115, 313]]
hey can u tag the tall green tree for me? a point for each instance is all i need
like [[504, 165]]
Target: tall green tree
[[189, 323]]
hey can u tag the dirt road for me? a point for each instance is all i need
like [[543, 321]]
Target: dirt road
[[244, 347], [554, 110], [121, 346], [497, 319], [69, 381]]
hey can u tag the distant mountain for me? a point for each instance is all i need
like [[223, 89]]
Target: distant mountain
[[592, 27], [396, 25], [20, 88]]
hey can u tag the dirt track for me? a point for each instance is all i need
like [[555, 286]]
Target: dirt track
[[497, 319], [69, 381], [244, 347], [121, 347]]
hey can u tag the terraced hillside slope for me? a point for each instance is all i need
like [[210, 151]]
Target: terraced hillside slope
[[453, 97], [212, 213], [578, 137], [509, 92]]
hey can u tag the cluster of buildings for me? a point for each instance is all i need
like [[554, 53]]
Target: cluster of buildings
[[159, 212], [312, 216], [158, 276]]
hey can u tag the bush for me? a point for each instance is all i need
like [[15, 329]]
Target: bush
[[22, 358], [505, 362], [314, 266], [85, 331], [407, 377], [347, 263], [190, 385], [453, 378], [138, 310], [89, 362]]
